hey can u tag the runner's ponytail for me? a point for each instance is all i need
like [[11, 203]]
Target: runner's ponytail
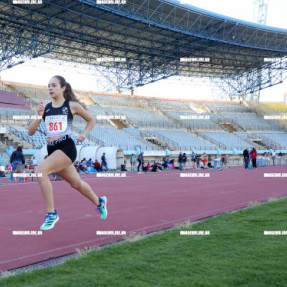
[[69, 94]]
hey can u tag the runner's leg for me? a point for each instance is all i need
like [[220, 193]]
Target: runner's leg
[[54, 163], [70, 174]]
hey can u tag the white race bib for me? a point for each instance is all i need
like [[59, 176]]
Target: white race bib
[[56, 124]]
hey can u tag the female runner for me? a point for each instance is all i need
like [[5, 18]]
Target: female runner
[[58, 116]]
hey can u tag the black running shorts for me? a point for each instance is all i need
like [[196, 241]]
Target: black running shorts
[[67, 146]]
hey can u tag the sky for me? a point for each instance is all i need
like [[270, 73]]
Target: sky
[[33, 72]]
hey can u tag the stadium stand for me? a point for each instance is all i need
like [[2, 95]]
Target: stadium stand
[[182, 139], [227, 108], [113, 137], [275, 140], [251, 122], [119, 101], [226, 140], [204, 126], [170, 105], [37, 140], [144, 117], [11, 99], [196, 121], [134, 131]]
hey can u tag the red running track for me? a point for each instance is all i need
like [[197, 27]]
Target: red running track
[[139, 203]]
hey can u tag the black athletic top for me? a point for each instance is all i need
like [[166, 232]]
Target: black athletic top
[[58, 121]]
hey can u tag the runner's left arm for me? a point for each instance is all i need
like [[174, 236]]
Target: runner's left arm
[[78, 109]]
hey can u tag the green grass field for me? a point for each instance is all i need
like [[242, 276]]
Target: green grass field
[[236, 253]]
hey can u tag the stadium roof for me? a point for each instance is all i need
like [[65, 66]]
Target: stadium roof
[[143, 40]]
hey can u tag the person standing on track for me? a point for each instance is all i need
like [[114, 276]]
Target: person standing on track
[[273, 154], [104, 162], [132, 161], [140, 161], [253, 154], [58, 116], [184, 159], [193, 160], [246, 158], [17, 157], [180, 161]]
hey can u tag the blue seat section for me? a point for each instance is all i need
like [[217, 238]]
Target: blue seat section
[[153, 124]]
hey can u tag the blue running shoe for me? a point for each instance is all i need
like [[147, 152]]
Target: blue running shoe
[[102, 208], [50, 220]]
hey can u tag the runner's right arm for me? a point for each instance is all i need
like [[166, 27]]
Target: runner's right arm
[[35, 124]]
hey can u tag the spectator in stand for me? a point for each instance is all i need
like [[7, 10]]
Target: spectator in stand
[[209, 164], [16, 158], [164, 163], [83, 165], [2, 171], [193, 160], [132, 161], [148, 166], [89, 163], [273, 156], [205, 159], [209, 160], [140, 161], [8, 168], [31, 168], [34, 162], [154, 167], [167, 162], [97, 166], [246, 158], [184, 159], [104, 162], [144, 168], [280, 154], [197, 160], [180, 159], [253, 155], [224, 160], [76, 165], [171, 164]]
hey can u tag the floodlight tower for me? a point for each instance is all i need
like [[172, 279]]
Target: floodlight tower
[[259, 16], [260, 11]]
